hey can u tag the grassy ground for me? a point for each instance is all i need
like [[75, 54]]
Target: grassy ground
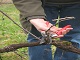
[[11, 34]]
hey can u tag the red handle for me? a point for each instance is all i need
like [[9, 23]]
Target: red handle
[[59, 32], [64, 28]]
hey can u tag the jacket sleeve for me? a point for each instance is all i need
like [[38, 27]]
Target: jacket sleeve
[[30, 9]]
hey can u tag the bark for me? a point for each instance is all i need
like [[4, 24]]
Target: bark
[[66, 46]]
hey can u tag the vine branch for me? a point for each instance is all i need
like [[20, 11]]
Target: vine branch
[[65, 45], [60, 44]]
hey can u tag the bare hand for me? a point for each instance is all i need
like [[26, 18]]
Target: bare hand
[[41, 26]]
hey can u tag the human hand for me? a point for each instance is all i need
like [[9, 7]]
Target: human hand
[[64, 30], [41, 26]]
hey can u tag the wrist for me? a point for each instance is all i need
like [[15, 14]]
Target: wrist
[[37, 19]]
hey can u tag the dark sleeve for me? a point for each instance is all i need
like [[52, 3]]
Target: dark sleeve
[[30, 9]]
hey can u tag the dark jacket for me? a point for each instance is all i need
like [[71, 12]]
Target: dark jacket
[[30, 9]]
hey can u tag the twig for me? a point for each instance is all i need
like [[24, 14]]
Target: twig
[[19, 25], [60, 20], [19, 55]]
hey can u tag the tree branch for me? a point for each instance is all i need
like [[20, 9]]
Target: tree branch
[[67, 46], [60, 44]]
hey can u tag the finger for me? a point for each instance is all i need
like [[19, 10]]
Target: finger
[[55, 29], [59, 36], [68, 29], [64, 32]]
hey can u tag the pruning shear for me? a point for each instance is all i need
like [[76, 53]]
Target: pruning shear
[[48, 37]]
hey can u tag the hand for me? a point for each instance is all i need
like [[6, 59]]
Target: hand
[[41, 26], [64, 30]]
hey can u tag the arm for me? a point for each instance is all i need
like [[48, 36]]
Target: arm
[[30, 9]]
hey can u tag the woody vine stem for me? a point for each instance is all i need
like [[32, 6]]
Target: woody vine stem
[[65, 45]]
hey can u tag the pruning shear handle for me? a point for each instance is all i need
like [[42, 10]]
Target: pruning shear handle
[[60, 31], [64, 28]]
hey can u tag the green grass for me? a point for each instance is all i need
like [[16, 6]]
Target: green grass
[[9, 32], [12, 34]]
